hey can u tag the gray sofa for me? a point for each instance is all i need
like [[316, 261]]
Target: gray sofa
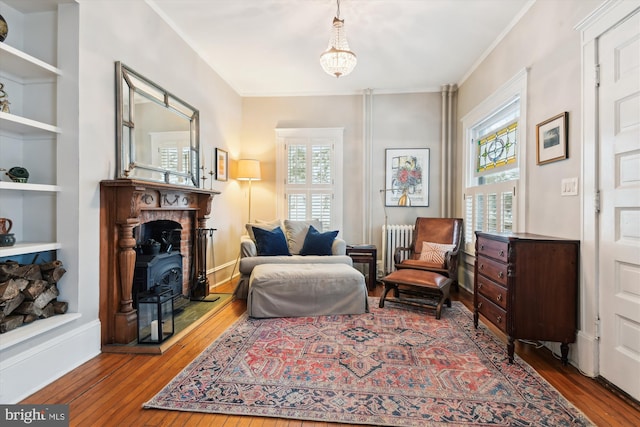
[[295, 232]]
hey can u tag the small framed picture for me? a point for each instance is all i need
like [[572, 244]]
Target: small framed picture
[[222, 165], [552, 139]]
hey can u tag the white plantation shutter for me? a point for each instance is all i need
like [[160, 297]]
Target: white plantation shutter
[[468, 218], [296, 164], [506, 210], [169, 158], [492, 212], [486, 211], [297, 204], [321, 164], [309, 186], [480, 212], [321, 207], [308, 167]]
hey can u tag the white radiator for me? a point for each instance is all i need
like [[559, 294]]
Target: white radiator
[[394, 236]]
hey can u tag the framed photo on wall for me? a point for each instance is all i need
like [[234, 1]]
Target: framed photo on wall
[[552, 139], [407, 177], [222, 165]]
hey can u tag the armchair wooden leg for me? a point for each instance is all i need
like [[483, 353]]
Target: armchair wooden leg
[[387, 288]]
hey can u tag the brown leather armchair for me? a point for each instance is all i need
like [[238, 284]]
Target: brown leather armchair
[[435, 247]]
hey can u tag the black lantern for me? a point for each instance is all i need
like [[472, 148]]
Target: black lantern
[[155, 316]]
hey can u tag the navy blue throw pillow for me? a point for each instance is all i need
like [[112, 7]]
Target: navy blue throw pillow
[[317, 243], [270, 243]]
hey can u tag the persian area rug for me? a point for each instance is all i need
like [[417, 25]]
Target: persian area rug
[[394, 366]]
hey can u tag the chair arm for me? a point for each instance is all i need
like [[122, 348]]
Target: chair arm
[[396, 254], [339, 247], [451, 262], [247, 247]]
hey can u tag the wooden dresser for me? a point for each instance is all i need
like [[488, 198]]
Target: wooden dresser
[[527, 286]]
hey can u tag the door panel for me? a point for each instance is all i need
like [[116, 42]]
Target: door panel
[[619, 147]]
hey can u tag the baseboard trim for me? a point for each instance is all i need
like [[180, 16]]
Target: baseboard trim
[[28, 372], [587, 354]]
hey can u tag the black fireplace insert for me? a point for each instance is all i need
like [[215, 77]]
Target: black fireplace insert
[[158, 273]]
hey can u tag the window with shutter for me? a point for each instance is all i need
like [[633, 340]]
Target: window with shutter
[[495, 162], [308, 175]]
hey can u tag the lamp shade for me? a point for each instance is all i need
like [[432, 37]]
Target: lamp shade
[[248, 170]]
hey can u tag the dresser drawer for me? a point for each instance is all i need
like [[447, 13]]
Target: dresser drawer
[[492, 291], [494, 270], [493, 248], [492, 313]]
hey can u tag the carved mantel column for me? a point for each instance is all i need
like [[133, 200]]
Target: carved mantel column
[[121, 201], [126, 317], [127, 262]]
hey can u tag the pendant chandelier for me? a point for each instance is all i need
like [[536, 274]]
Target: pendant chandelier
[[338, 60]]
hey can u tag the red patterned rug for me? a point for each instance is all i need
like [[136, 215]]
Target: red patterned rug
[[393, 367]]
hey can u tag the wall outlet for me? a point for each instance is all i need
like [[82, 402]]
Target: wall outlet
[[569, 187]]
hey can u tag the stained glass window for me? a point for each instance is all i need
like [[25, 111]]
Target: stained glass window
[[497, 150]]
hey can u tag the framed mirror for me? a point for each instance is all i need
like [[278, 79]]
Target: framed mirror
[[158, 134]]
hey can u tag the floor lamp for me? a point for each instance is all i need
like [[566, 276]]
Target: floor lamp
[[248, 170]]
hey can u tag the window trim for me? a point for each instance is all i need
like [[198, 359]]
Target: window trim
[[516, 86], [336, 135]]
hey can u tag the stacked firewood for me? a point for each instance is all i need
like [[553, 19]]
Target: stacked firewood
[[29, 292]]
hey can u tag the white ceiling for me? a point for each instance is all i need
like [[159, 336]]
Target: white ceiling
[[272, 47]]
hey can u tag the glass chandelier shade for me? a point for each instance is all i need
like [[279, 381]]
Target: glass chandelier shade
[[338, 60]]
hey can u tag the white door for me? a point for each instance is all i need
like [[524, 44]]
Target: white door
[[619, 158]]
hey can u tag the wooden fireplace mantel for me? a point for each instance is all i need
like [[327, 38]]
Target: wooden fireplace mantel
[[121, 203]]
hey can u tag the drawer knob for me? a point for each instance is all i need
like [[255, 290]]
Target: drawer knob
[[500, 274], [499, 318], [479, 285], [479, 305], [481, 266], [501, 253], [499, 297], [482, 247]]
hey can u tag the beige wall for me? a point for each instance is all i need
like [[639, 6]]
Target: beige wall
[[398, 121], [157, 52], [261, 116], [545, 42]]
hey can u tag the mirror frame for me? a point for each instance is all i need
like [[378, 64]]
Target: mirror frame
[[125, 129]]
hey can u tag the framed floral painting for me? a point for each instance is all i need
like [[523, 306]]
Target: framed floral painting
[[407, 177]]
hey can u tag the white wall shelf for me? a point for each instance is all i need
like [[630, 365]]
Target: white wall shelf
[[27, 127], [41, 326], [18, 186], [28, 248], [19, 63], [40, 67]]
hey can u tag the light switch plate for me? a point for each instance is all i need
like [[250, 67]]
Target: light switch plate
[[569, 187]]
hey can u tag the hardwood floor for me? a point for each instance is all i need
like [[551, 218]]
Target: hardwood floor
[[109, 390]]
